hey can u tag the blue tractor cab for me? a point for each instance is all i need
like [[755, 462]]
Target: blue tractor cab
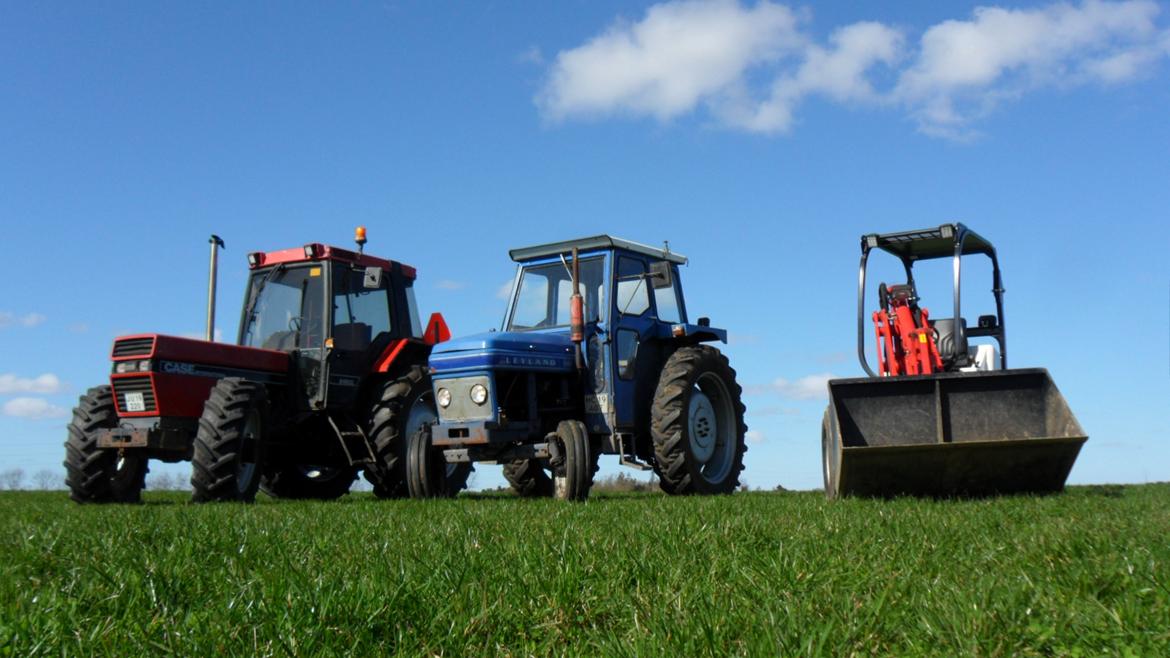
[[596, 355]]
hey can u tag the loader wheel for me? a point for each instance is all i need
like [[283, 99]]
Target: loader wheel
[[574, 461], [830, 458], [697, 423], [400, 408], [528, 478], [229, 445], [98, 475], [300, 482]]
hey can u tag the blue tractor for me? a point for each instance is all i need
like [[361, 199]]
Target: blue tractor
[[596, 355]]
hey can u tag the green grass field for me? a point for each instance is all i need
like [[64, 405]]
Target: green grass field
[[1085, 573]]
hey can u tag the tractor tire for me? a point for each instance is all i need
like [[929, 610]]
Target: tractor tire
[[576, 462], [697, 423], [830, 458], [100, 475], [425, 468], [528, 478], [400, 407], [298, 482], [229, 445]]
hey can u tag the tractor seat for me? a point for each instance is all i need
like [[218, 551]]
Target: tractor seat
[[952, 345], [354, 336]]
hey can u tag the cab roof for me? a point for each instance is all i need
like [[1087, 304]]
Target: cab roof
[[928, 243], [324, 252], [525, 254]]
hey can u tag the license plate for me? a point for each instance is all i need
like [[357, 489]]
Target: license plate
[[135, 402]]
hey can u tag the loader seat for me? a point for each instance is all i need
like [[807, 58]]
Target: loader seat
[[952, 345]]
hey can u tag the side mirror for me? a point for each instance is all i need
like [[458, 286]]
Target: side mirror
[[988, 321], [373, 278], [660, 275]]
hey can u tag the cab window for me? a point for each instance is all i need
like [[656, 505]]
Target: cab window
[[361, 315], [633, 294]]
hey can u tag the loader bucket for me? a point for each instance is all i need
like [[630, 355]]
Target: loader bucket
[[952, 434]]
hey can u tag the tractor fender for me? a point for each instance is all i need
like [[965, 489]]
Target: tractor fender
[[691, 334], [403, 353]]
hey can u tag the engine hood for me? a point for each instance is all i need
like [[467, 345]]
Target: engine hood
[[527, 351]]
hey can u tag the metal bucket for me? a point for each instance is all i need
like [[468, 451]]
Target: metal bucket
[[952, 434]]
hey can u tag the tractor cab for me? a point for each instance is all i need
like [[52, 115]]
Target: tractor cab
[[909, 341], [333, 310]]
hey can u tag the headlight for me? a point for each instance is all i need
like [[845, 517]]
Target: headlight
[[144, 366], [125, 366], [444, 398], [479, 394]]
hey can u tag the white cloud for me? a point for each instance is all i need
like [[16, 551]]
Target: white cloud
[[838, 72], [812, 387], [964, 69], [447, 284], [750, 67], [32, 408], [47, 383], [27, 320], [680, 54], [755, 437]]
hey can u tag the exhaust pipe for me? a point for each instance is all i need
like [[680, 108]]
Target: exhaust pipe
[[577, 313], [216, 245]]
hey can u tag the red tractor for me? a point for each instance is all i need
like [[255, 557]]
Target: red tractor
[[327, 377]]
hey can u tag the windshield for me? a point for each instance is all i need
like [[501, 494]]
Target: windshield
[[542, 301], [288, 312]]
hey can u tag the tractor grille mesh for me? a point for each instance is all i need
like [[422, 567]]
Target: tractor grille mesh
[[133, 347], [134, 385]]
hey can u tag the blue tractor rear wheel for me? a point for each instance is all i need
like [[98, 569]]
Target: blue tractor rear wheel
[[697, 423]]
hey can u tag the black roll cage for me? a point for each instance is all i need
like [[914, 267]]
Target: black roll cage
[[945, 241]]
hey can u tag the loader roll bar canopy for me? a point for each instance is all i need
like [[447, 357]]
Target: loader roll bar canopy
[[596, 242], [948, 240]]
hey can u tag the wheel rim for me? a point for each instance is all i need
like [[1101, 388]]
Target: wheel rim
[[712, 429], [423, 413], [246, 464], [123, 472], [320, 473]]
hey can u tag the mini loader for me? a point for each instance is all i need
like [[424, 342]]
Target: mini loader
[[328, 377], [942, 417], [596, 356]]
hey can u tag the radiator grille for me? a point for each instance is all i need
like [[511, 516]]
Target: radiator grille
[[133, 347], [134, 385]]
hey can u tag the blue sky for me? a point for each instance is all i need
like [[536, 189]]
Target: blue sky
[[761, 139]]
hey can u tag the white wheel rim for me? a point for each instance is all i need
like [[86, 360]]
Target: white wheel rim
[[423, 413], [713, 432], [702, 426]]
